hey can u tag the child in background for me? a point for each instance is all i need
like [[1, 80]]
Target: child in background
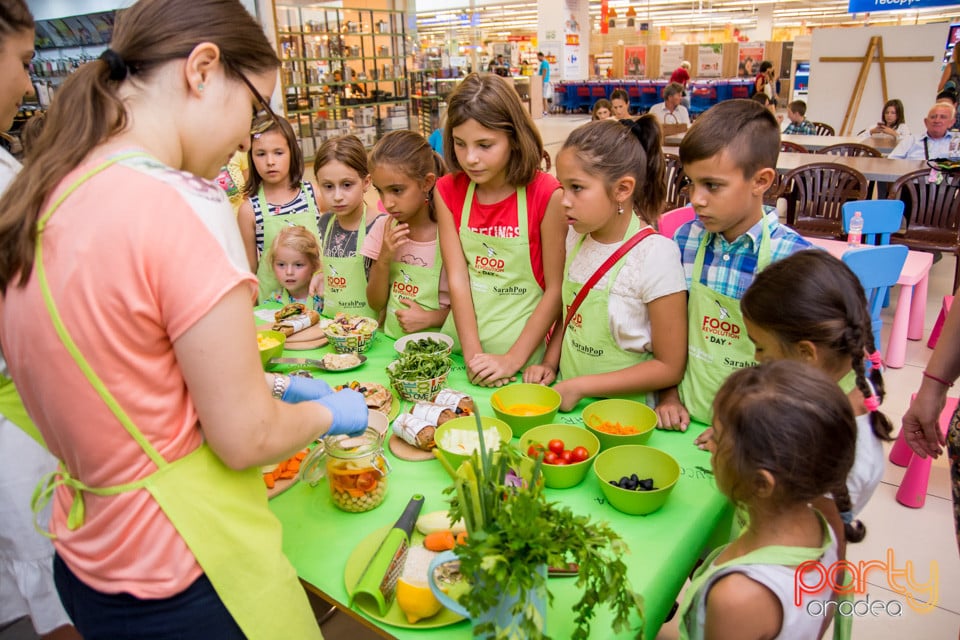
[[799, 125], [295, 256], [746, 589], [828, 326], [342, 177], [501, 231], [436, 136], [632, 319], [602, 109], [407, 278], [277, 196], [892, 122], [730, 156]]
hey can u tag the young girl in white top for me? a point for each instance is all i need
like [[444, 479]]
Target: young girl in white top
[[295, 256], [623, 339], [342, 178], [826, 324], [407, 278], [745, 590], [892, 123], [277, 196]]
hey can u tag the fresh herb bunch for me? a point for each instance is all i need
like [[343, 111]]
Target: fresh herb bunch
[[418, 366], [513, 530]]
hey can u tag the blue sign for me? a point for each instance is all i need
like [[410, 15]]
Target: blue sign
[[867, 6]]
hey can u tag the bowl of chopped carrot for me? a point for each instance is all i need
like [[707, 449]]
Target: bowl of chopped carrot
[[617, 422]]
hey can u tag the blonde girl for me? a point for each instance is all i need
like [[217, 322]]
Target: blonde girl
[[628, 337], [342, 178], [783, 434], [407, 278], [501, 231], [277, 196], [295, 256], [829, 327], [152, 394]]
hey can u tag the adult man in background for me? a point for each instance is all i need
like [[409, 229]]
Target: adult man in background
[[937, 142], [670, 111]]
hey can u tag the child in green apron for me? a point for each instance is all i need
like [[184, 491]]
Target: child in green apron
[[158, 499], [747, 589], [342, 178], [407, 281], [828, 325], [277, 197], [501, 231], [730, 157], [295, 256], [622, 341]]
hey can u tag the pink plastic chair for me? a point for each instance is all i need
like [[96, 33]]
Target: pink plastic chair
[[671, 220], [913, 488]]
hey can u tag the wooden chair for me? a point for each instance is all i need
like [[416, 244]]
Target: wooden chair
[[823, 129], [932, 212], [816, 193], [676, 183], [850, 149], [792, 147]]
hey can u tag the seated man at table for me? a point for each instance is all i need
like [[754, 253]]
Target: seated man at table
[[799, 125], [730, 156], [670, 111], [937, 142]]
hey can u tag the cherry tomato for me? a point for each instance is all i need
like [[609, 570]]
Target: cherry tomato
[[561, 462], [579, 454], [556, 445], [535, 450], [567, 456], [550, 458]]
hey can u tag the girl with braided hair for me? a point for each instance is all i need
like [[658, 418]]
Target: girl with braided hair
[[828, 325], [623, 339]]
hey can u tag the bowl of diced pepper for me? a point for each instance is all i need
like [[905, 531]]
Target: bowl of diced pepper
[[617, 421]]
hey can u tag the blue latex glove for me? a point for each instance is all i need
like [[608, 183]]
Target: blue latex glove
[[301, 389], [349, 409]]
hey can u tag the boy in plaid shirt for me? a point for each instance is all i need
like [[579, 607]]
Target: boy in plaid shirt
[[799, 125], [730, 156]]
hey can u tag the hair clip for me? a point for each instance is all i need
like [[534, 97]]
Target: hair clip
[[876, 361], [871, 403]]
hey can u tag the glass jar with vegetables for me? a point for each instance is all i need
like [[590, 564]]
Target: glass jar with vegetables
[[355, 467]]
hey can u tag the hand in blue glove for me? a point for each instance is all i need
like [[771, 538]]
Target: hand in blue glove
[[301, 389], [349, 409]]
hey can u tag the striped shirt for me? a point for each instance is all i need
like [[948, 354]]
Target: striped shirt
[[729, 267], [296, 205]]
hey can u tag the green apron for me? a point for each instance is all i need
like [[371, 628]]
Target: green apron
[[221, 514], [588, 346], [771, 555], [11, 407], [412, 283], [502, 282], [717, 338], [345, 279], [272, 225]]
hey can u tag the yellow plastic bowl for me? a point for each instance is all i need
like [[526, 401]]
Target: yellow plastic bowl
[[627, 413], [513, 404], [270, 350]]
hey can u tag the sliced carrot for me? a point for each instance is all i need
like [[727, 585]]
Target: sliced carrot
[[442, 540], [462, 537], [268, 479]]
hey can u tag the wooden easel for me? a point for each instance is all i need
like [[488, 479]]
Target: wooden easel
[[874, 54]]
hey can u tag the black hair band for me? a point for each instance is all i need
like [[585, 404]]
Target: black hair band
[[635, 128], [118, 68]]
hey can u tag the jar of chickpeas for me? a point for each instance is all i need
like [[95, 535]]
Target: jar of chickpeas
[[355, 468]]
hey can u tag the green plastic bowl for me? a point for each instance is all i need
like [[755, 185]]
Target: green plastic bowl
[[646, 462], [271, 352], [626, 412], [569, 475], [504, 398], [469, 424]]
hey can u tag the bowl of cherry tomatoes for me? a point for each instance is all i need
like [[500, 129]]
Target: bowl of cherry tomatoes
[[567, 451]]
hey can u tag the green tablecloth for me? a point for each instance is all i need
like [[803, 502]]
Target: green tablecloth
[[664, 545]]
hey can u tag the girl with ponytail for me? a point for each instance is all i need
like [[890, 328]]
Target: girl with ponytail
[[826, 323], [627, 337]]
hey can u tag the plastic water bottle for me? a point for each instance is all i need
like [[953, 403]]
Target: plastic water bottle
[[855, 234]]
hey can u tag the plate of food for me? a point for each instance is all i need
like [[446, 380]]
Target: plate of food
[[281, 476], [357, 563], [379, 397]]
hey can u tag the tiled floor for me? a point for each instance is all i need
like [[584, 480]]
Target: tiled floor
[[922, 538]]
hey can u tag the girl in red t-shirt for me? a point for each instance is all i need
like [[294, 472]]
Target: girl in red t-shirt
[[501, 231]]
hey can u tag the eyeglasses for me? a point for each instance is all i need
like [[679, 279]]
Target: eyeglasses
[[265, 117]]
